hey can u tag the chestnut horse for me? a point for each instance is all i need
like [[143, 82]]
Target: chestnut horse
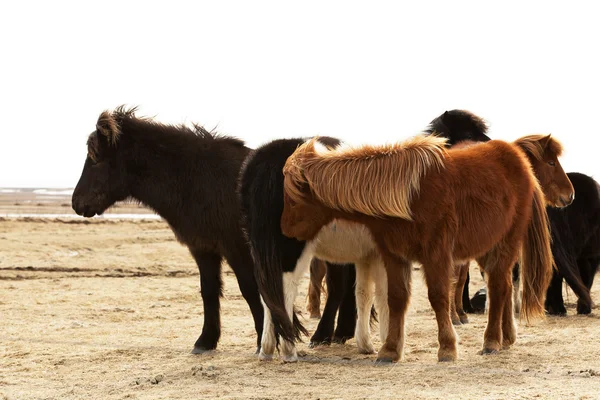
[[458, 126], [575, 233], [419, 202]]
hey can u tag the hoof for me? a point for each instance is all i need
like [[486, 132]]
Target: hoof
[[487, 351], [201, 350], [367, 350], [385, 361], [464, 319], [257, 352], [290, 359], [559, 311], [509, 340], [446, 356], [583, 309], [315, 343], [340, 339], [265, 357], [315, 316], [456, 322]]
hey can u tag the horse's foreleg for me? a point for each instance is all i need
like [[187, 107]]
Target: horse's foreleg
[[381, 300], [555, 304], [516, 283], [509, 328], [346, 321], [211, 287], [335, 291], [364, 302], [466, 299], [398, 275], [462, 273], [438, 278], [454, 289]]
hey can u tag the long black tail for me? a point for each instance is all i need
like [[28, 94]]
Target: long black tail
[[261, 191]]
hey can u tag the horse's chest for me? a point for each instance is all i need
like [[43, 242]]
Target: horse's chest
[[344, 242]]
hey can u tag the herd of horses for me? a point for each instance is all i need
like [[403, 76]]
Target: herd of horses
[[358, 217]]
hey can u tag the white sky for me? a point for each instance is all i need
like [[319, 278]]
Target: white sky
[[366, 72]]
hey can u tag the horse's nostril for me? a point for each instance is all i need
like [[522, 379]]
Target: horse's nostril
[[572, 196]]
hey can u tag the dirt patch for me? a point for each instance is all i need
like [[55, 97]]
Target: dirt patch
[[71, 330]]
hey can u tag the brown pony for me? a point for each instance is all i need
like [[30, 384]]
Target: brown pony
[[423, 203], [549, 174]]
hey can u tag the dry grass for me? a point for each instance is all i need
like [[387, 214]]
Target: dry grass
[[100, 310]]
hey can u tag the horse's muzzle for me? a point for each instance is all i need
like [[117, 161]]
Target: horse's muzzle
[[566, 200], [83, 209]]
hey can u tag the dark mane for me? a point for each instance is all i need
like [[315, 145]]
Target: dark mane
[[459, 125], [123, 122], [122, 114]]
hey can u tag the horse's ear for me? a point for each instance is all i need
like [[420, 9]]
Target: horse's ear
[[108, 127], [546, 141]]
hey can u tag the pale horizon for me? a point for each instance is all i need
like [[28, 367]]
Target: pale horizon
[[268, 70]]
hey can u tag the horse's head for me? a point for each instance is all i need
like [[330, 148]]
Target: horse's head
[[458, 126], [543, 152], [103, 180]]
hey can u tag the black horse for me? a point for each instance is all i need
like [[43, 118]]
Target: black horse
[[575, 229], [189, 177], [576, 245]]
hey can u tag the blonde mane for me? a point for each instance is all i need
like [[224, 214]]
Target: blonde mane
[[379, 181]]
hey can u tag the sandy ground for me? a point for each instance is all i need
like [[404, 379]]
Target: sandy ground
[[110, 310]]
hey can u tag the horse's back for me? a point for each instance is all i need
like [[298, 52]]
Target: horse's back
[[493, 189]]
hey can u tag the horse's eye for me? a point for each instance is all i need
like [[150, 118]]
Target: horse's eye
[[551, 163]]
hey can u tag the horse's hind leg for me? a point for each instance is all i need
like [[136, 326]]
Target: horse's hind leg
[[242, 266], [317, 273], [399, 281], [291, 281], [555, 304], [211, 287], [364, 302], [268, 340], [500, 325], [437, 276], [346, 321], [587, 268], [335, 291], [516, 283]]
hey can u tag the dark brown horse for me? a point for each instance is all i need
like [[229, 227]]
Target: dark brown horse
[[189, 177], [418, 201]]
